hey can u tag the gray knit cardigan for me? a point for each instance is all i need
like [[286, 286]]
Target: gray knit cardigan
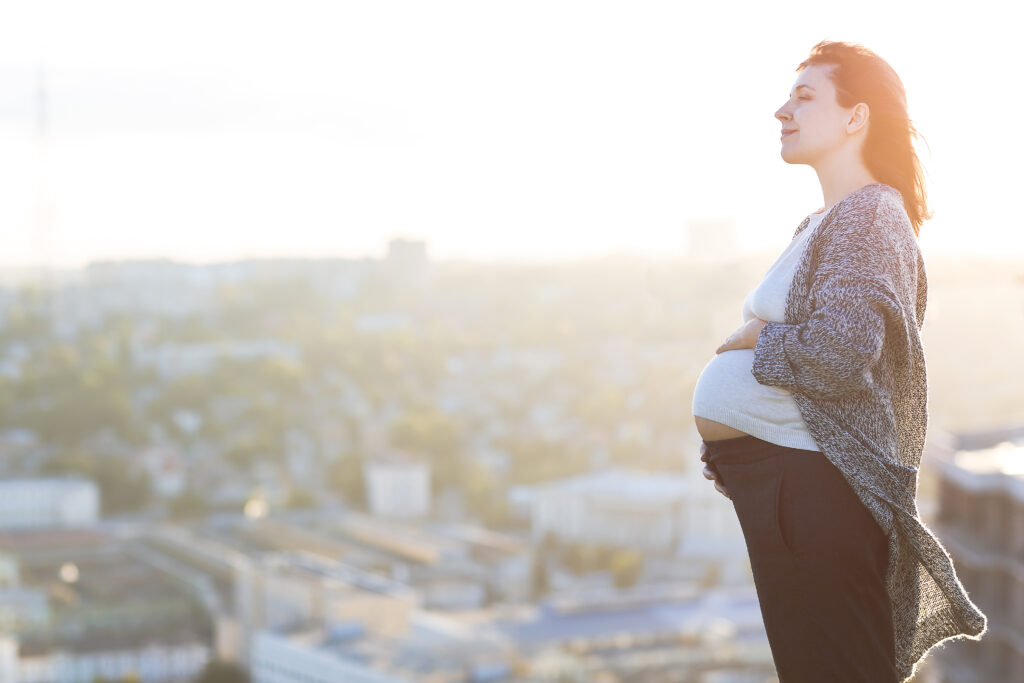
[[851, 353]]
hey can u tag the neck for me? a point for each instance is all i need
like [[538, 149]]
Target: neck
[[842, 174]]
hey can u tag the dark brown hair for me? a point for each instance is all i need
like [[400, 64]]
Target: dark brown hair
[[860, 75]]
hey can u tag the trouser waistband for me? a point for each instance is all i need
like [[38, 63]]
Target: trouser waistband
[[735, 445]]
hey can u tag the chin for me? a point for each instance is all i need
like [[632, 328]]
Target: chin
[[790, 157]]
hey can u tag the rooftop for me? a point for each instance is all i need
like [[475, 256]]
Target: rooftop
[[624, 483], [984, 461]]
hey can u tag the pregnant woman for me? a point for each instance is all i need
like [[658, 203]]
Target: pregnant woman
[[813, 413]]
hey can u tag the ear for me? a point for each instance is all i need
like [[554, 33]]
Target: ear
[[858, 117]]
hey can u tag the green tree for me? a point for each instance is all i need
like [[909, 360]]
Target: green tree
[[581, 557], [626, 566], [190, 504], [217, 671], [121, 488], [549, 543], [299, 498], [539, 580], [435, 435], [711, 576], [533, 459], [485, 496], [345, 476], [69, 392]]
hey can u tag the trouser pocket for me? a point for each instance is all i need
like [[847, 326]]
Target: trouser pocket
[[821, 521], [777, 509]]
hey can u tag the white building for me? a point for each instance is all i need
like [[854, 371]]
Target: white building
[[284, 591], [435, 648], [397, 486], [10, 571], [165, 468], [282, 658], [48, 502], [23, 609], [152, 664], [671, 513]]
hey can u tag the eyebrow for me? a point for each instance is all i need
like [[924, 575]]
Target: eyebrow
[[802, 86]]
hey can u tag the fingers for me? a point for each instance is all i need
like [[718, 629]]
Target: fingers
[[711, 475], [729, 343]]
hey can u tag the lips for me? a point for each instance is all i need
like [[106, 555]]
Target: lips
[[785, 133]]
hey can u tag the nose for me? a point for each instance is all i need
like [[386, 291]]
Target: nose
[[781, 114]]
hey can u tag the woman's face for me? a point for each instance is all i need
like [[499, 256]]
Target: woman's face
[[820, 125]]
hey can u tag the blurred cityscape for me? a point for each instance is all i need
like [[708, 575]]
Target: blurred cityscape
[[394, 469]]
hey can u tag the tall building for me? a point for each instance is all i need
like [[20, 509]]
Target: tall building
[[678, 514], [980, 521], [407, 262]]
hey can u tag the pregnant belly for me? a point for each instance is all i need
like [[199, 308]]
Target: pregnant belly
[[710, 430], [727, 386]]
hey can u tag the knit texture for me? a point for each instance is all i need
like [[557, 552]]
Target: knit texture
[[850, 351]]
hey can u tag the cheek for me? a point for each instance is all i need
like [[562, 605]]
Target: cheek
[[820, 128], [804, 118], [810, 129]]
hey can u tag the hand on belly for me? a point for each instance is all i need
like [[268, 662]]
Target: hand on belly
[[710, 430]]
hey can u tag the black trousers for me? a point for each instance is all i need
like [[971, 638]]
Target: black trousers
[[818, 558]]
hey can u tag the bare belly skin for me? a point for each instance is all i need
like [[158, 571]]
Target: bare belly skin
[[710, 430]]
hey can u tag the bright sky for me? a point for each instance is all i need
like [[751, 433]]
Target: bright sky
[[206, 130]]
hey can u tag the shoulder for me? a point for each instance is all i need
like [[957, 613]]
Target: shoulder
[[874, 213], [869, 236]]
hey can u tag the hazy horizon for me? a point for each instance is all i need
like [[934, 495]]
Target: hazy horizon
[[543, 131]]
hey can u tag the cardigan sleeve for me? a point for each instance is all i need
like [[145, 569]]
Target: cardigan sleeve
[[830, 355]]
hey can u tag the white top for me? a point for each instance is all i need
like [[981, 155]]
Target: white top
[[727, 391]]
